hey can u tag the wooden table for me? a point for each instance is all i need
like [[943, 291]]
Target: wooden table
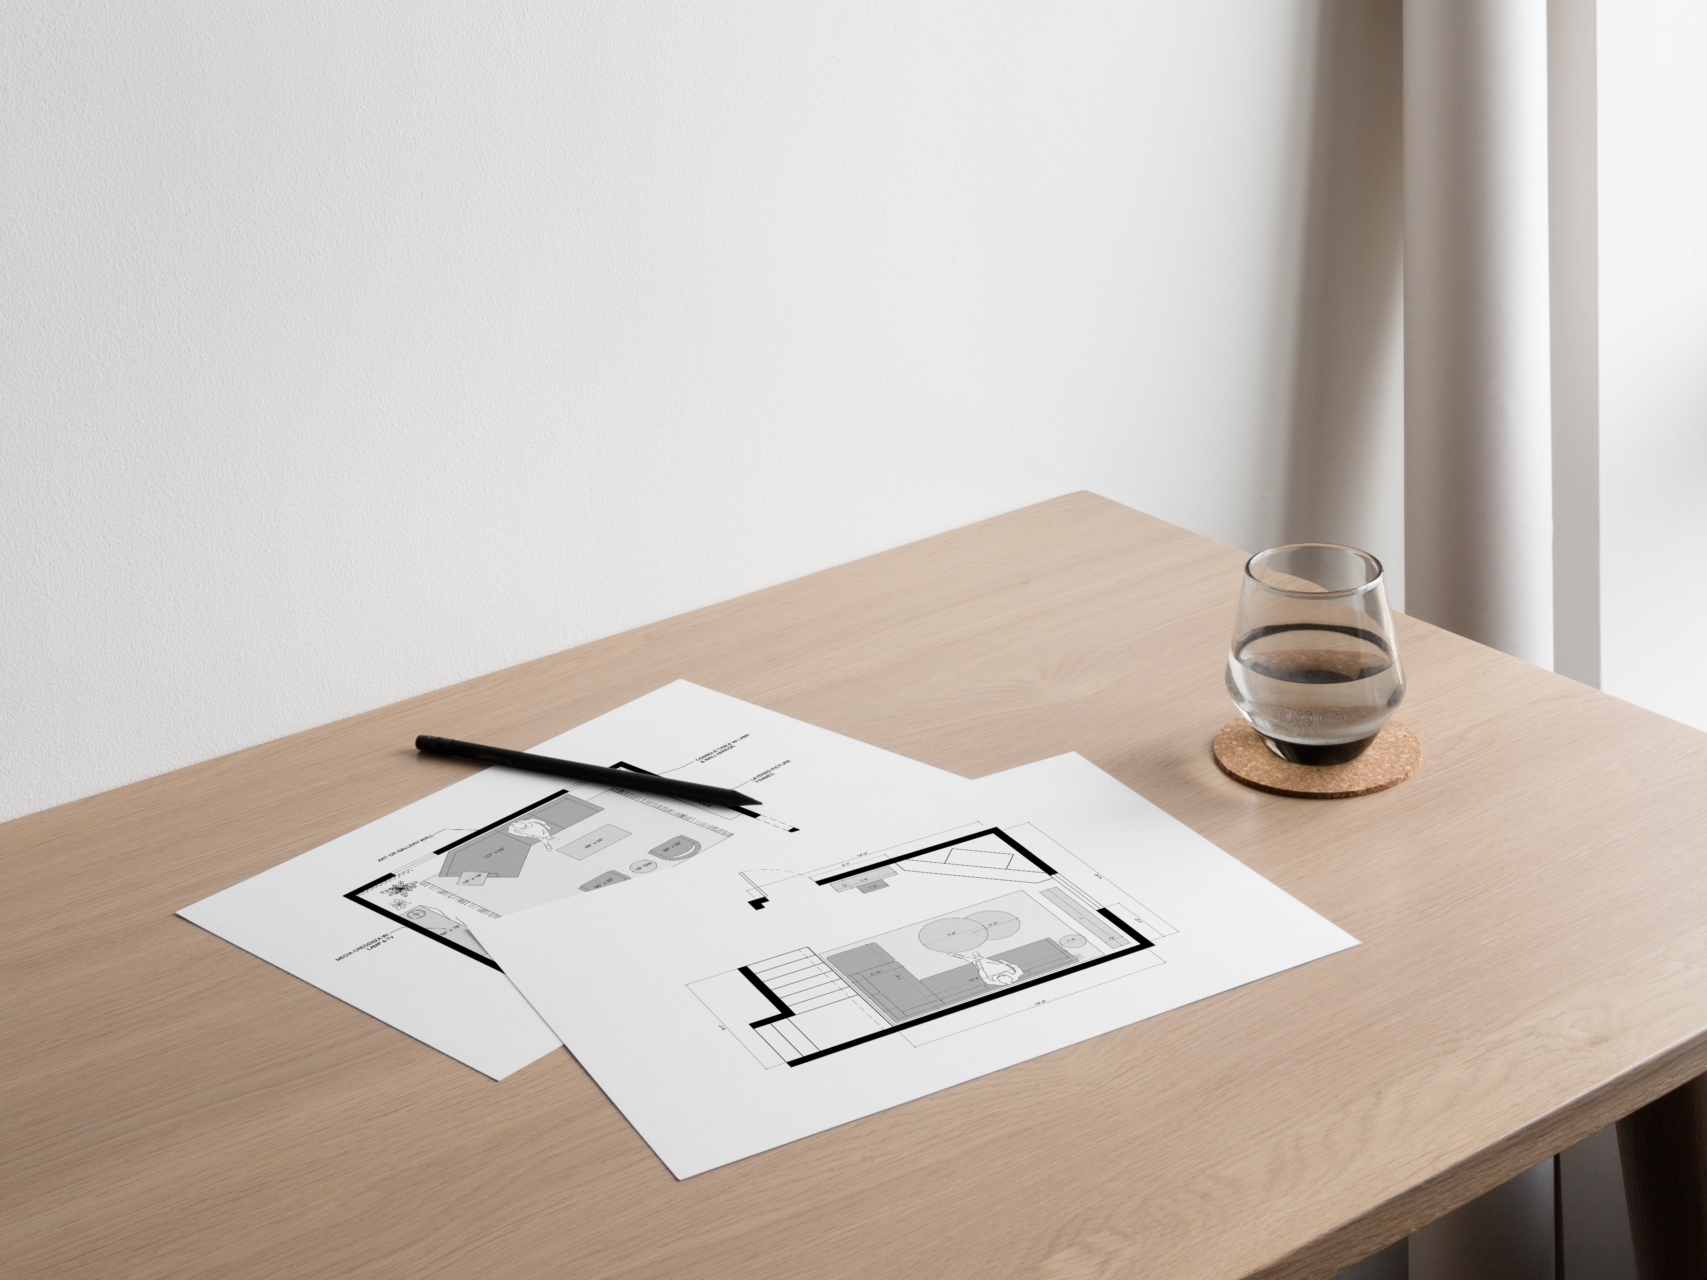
[[1533, 910]]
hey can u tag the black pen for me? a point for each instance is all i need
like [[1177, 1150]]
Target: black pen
[[633, 780]]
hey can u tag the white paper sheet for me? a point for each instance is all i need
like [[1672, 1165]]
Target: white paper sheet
[[380, 917], [744, 1006]]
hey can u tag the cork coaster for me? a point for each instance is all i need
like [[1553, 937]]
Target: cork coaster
[[1242, 754]]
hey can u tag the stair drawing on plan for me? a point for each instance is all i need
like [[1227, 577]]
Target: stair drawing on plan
[[800, 985]]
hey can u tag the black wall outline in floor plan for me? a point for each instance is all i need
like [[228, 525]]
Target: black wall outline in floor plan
[[358, 895], [1001, 835], [354, 895], [1139, 943]]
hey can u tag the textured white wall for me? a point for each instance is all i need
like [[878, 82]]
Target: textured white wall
[[1653, 353], [353, 350]]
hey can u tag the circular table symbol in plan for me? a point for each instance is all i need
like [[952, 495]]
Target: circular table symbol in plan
[[961, 936]]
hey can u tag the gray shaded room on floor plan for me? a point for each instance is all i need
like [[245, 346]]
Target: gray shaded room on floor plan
[[502, 852], [901, 995]]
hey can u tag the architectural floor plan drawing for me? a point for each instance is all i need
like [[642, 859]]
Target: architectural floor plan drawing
[[388, 917], [572, 840], [745, 1002], [984, 956]]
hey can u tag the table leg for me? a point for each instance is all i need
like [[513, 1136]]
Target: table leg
[[1663, 1148], [1503, 1234]]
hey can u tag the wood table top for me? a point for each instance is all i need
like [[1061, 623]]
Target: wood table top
[[1532, 908]]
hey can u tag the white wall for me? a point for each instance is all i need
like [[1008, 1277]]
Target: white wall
[[1653, 345], [354, 350]]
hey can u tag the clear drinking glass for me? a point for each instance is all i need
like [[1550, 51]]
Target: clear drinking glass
[[1314, 665]]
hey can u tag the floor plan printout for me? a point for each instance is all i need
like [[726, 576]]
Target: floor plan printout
[[382, 917], [746, 1005]]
